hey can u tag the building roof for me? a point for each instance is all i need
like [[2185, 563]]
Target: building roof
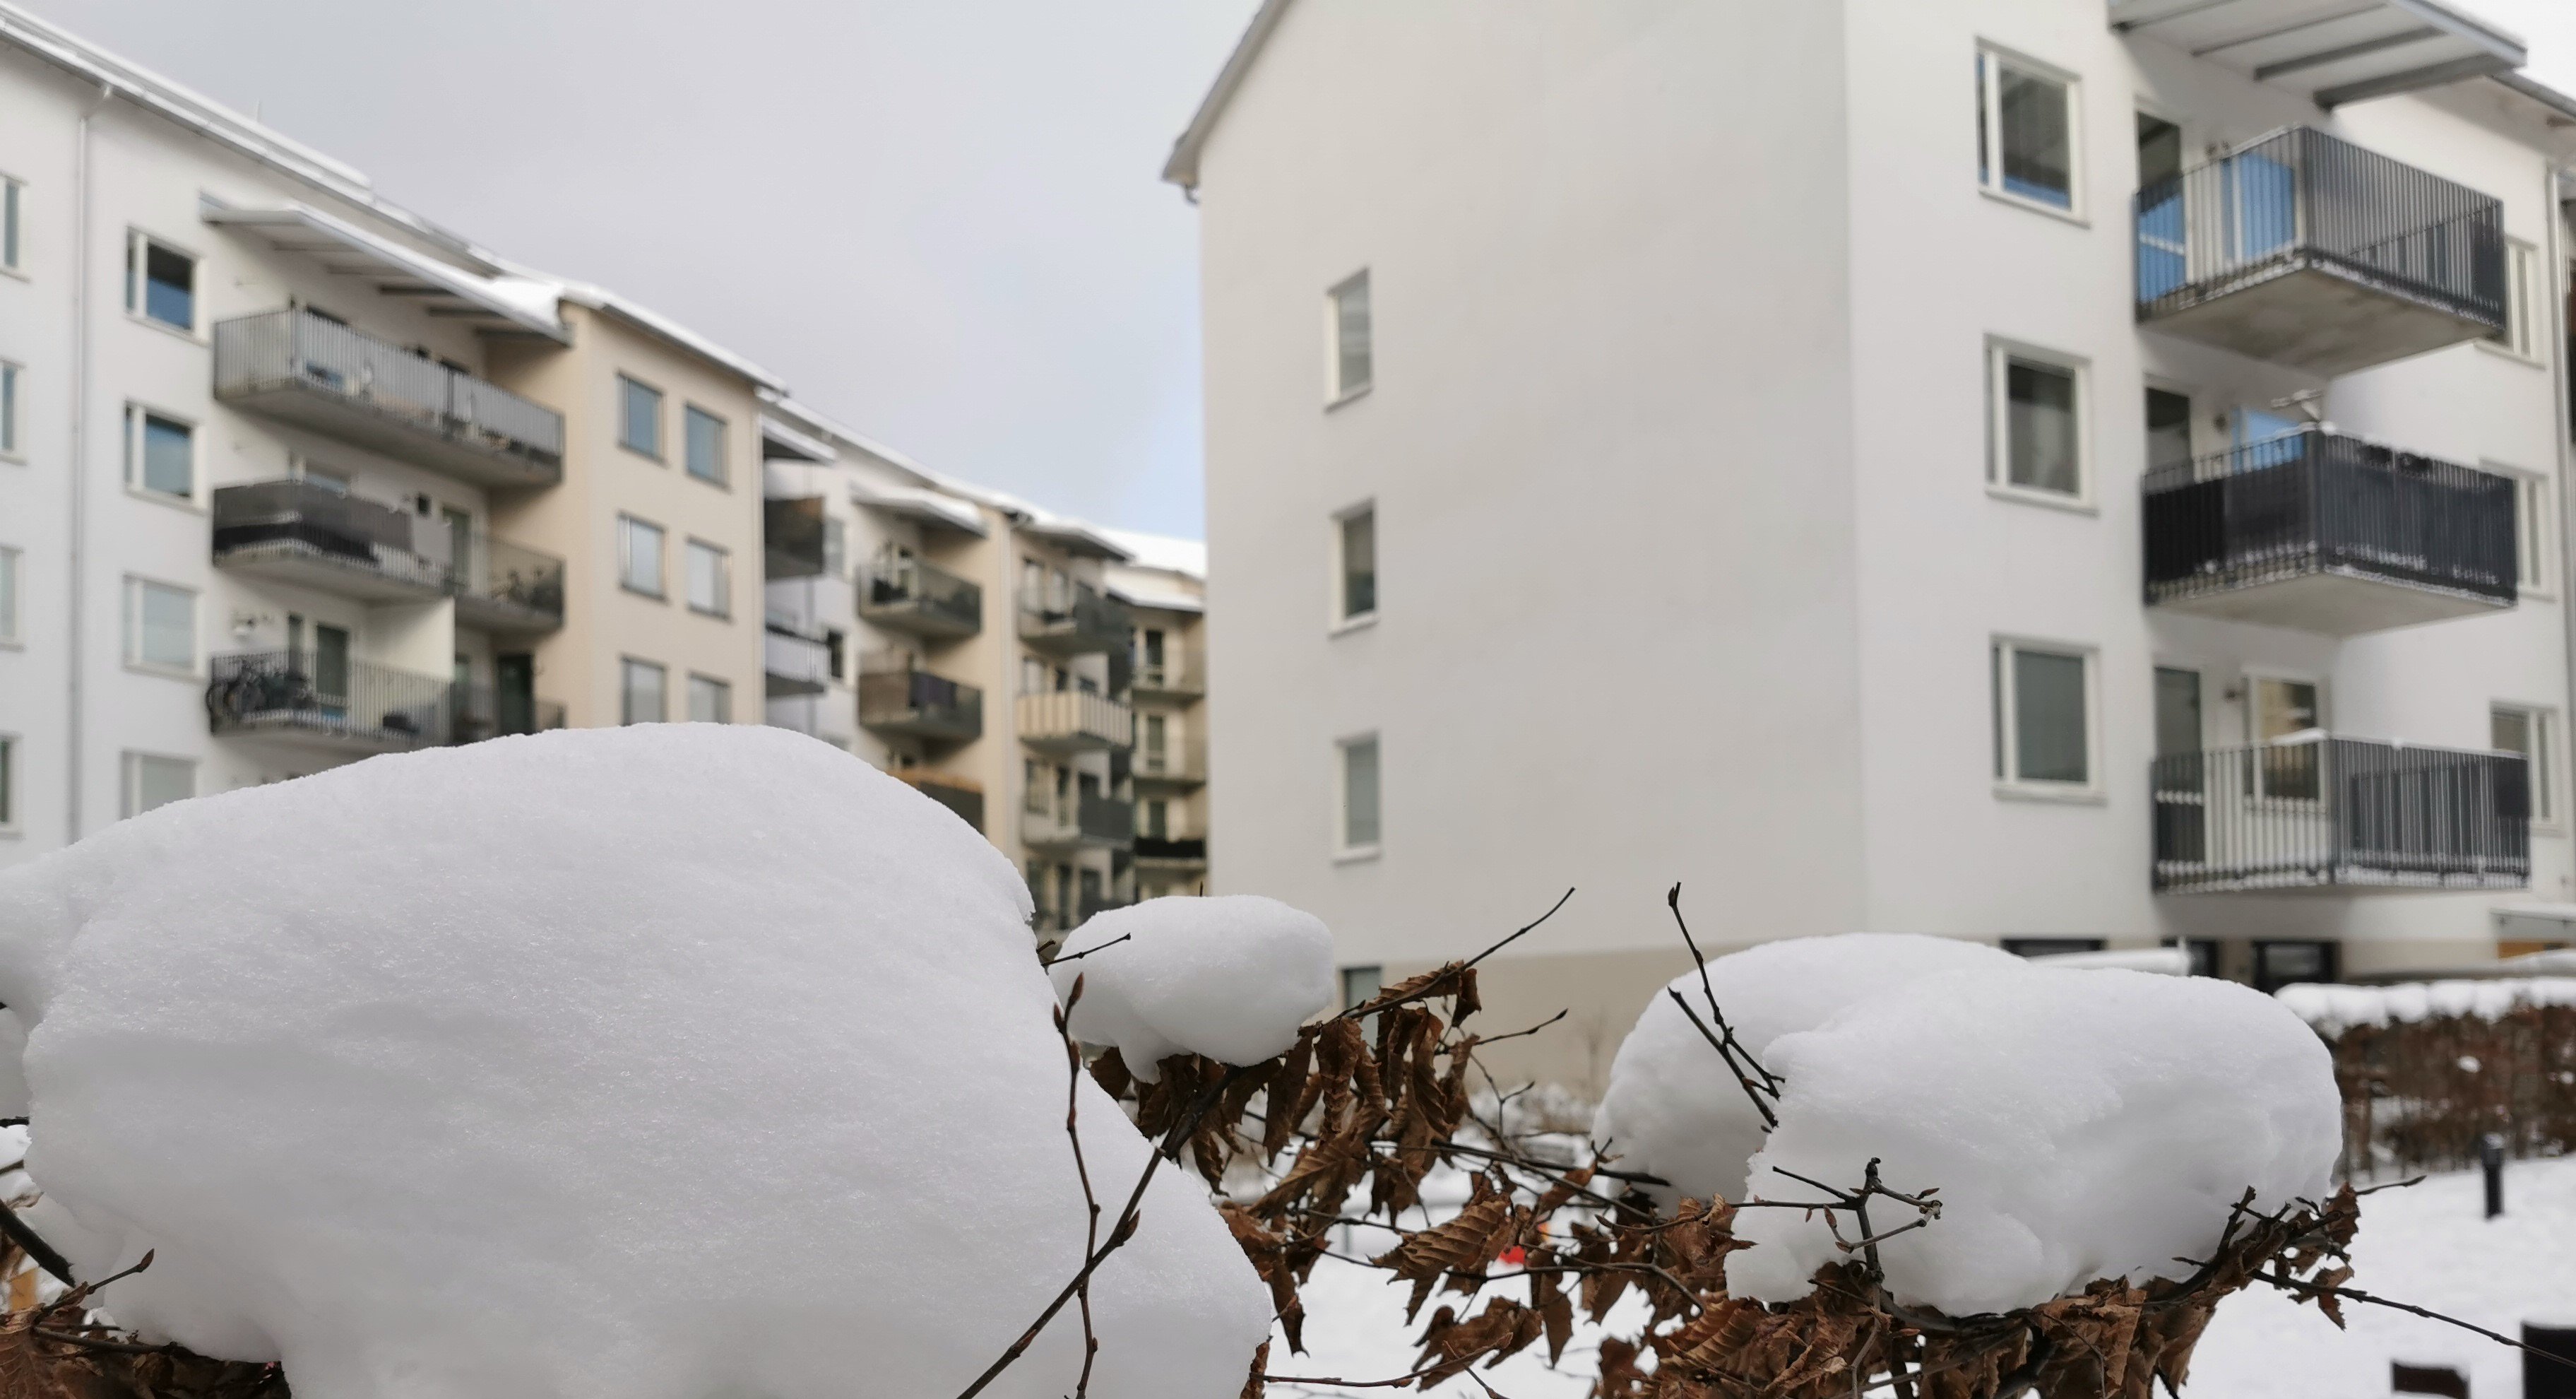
[[489, 303], [1162, 551], [2330, 54], [1183, 167]]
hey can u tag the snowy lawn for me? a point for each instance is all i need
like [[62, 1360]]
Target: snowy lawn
[[2424, 1245]]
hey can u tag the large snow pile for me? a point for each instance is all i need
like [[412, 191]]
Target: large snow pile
[[2079, 1125], [2335, 1009], [1230, 977], [1674, 1111], [662, 1061]]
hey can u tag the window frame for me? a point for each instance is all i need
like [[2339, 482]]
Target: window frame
[[1992, 59], [720, 687], [2543, 728], [131, 642], [13, 226], [691, 551], [13, 603], [1344, 849], [626, 556], [2002, 649], [2001, 354], [1338, 387], [627, 384], [2535, 525], [690, 416], [2525, 318], [136, 413], [1337, 584], [628, 666], [13, 376], [129, 784], [139, 243]]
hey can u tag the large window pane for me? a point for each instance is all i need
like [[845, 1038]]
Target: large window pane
[[641, 686], [2039, 426], [162, 625], [2526, 731], [2049, 718], [2036, 134], [710, 701], [8, 409], [639, 555], [162, 454], [1359, 563], [8, 594], [1353, 353], [1359, 794], [710, 590], [152, 781], [168, 291], [639, 417], [706, 444]]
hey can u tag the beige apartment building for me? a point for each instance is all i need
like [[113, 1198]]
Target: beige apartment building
[[1164, 584]]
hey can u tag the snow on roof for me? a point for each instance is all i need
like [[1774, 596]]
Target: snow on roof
[[294, 227], [929, 507], [798, 446], [654, 322], [1161, 551]]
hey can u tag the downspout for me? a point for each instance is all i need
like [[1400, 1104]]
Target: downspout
[[74, 586]]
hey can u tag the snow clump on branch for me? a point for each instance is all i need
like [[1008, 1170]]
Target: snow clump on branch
[[652, 1063], [1230, 977]]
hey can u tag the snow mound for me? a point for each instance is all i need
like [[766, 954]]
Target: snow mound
[[2079, 1125], [1230, 977], [2335, 1009], [1674, 1111], [656, 1062]]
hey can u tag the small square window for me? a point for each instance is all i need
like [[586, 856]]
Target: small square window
[[160, 626], [160, 454], [2026, 132], [642, 686], [2043, 716], [9, 376], [13, 202], [639, 556], [161, 283], [1355, 541], [8, 594], [1350, 337], [710, 580], [639, 417], [153, 781], [2514, 728], [2037, 424], [1360, 830], [705, 447], [710, 701]]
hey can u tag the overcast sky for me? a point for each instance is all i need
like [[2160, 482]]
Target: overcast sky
[[937, 220]]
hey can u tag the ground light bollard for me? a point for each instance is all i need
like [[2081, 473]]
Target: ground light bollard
[[2551, 1375], [2491, 1161]]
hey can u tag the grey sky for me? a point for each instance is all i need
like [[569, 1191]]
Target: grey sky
[[938, 220]]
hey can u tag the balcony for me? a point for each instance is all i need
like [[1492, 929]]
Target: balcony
[[301, 368], [328, 700], [2327, 533], [1178, 676], [1065, 722], [301, 532], [918, 704], [2341, 814], [1182, 764], [795, 663], [1092, 822], [1171, 851], [480, 712], [792, 535], [2312, 252], [908, 595], [959, 794], [1073, 623]]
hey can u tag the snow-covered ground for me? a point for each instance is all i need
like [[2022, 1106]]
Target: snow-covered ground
[[2425, 1245]]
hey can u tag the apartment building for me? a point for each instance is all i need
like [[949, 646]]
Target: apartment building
[[290, 476], [1163, 581], [2068, 472]]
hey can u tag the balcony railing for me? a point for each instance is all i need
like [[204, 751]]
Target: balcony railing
[[310, 695], [2341, 813], [1178, 675], [959, 794], [918, 704], [1184, 761], [300, 531], [2323, 532], [909, 595], [1073, 621], [1182, 850], [1088, 820], [321, 374], [796, 664], [2309, 251], [792, 534], [482, 712], [1075, 721]]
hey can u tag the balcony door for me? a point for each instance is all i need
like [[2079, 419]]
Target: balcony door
[[331, 669], [514, 693], [2181, 792], [2287, 719], [2164, 253]]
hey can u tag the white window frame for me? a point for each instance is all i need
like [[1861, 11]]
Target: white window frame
[[13, 226], [135, 412], [1338, 388], [1991, 58], [132, 601], [659, 451], [1343, 849], [12, 421], [1336, 618], [2000, 355], [2005, 722], [129, 780], [13, 582], [2545, 798], [723, 477], [2535, 542], [2525, 318], [723, 691], [626, 556], [690, 553], [626, 691], [138, 254]]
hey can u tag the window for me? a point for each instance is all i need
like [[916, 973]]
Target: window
[[1359, 781], [2038, 424], [160, 454], [2535, 571], [641, 685], [13, 200], [1157, 742], [1356, 541], [161, 283], [836, 548], [639, 417], [2043, 715], [8, 595], [2159, 151], [2523, 316], [2521, 729], [639, 556], [710, 700], [2168, 431], [1033, 786], [1348, 337], [2278, 964], [2287, 718], [160, 626], [704, 448], [151, 780], [8, 783], [2026, 131], [710, 580], [1158, 820], [9, 375], [836, 649], [1361, 985]]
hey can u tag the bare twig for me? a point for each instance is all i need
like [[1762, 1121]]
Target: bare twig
[[1673, 901], [1752, 1092], [1534, 1029], [2315, 1289], [17, 1232], [1082, 1171], [1078, 956]]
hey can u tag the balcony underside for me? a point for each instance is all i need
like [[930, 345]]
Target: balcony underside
[[2333, 601], [323, 732], [2310, 313], [946, 726], [503, 616], [303, 564], [1066, 639], [919, 618], [397, 432], [1066, 745]]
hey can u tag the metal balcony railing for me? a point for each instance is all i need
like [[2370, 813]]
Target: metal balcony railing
[[2302, 202], [1177, 674], [482, 712], [2317, 502], [501, 586], [2340, 812], [315, 371], [1086, 819], [921, 705], [300, 531], [917, 597], [1073, 621], [1075, 721], [302, 693], [1173, 849], [796, 664], [793, 530], [1178, 760]]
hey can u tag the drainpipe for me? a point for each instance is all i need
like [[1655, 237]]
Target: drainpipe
[[75, 588]]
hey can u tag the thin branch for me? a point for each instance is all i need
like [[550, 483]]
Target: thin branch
[[1770, 1119], [16, 1231], [1534, 1029], [1082, 1171], [100, 1342], [1525, 928], [2283, 1280], [1078, 956], [1673, 901]]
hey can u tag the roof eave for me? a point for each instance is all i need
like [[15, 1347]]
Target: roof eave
[[1183, 167]]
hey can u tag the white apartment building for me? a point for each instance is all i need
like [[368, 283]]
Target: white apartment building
[[2072, 472]]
